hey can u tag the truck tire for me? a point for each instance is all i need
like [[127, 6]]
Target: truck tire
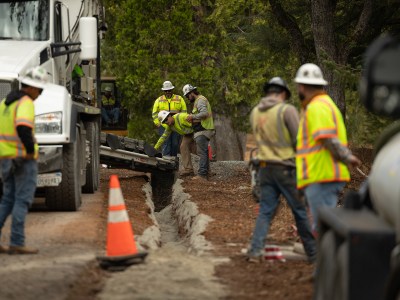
[[326, 267], [93, 160], [161, 184], [67, 196]]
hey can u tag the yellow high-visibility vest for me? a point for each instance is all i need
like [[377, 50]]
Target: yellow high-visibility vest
[[181, 126], [20, 112], [271, 133], [315, 163], [107, 101], [174, 105], [207, 123]]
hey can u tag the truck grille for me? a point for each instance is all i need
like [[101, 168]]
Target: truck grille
[[5, 88]]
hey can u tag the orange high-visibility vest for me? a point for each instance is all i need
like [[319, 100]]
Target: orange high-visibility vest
[[20, 112], [315, 163]]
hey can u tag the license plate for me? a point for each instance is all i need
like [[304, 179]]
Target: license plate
[[52, 179]]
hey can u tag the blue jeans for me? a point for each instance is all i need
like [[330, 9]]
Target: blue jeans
[[171, 145], [19, 185], [322, 194], [202, 152], [110, 115], [276, 180]]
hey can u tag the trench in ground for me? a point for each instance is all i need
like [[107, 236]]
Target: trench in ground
[[177, 252]]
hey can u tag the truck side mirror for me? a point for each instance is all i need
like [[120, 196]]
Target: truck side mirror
[[88, 38]]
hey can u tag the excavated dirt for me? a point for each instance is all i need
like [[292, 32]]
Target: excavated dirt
[[227, 199], [170, 272]]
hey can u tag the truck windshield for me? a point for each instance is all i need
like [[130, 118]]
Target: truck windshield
[[24, 20]]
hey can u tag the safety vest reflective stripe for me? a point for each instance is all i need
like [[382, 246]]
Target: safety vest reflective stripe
[[310, 150], [118, 216], [24, 122]]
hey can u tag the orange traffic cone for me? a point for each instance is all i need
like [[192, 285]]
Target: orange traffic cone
[[121, 247]]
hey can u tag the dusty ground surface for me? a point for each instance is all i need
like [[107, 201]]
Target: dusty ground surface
[[66, 267]]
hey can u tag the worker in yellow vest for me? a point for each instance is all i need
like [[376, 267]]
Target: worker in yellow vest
[[203, 128], [275, 124], [18, 155], [177, 123], [110, 108], [322, 156], [173, 104]]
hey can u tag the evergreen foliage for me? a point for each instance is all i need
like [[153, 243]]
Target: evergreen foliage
[[228, 49]]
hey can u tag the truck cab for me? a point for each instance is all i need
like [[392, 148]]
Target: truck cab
[[60, 36]]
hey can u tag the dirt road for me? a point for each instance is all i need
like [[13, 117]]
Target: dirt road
[[68, 243]]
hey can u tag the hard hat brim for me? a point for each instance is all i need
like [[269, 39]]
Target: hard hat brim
[[190, 91], [311, 81], [168, 89], [268, 85], [33, 83], [166, 116]]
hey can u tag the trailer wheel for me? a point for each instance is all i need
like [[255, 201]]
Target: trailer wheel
[[93, 161], [326, 267], [67, 196], [341, 279]]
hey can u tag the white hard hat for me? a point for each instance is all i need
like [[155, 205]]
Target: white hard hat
[[108, 89], [167, 85], [187, 89], [36, 77], [162, 115], [310, 74]]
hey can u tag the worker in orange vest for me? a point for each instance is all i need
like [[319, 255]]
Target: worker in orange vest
[[322, 155]]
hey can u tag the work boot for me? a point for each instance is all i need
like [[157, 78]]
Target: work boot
[[184, 173], [22, 250], [255, 259], [3, 249], [200, 178]]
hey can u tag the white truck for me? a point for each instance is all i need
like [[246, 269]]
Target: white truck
[[60, 36]]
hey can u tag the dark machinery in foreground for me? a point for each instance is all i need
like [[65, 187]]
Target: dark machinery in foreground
[[359, 246]]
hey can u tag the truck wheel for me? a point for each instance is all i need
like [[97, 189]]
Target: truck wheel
[[341, 279], [67, 196], [93, 160], [161, 184], [326, 266]]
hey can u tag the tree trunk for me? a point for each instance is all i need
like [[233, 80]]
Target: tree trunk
[[231, 144], [322, 14]]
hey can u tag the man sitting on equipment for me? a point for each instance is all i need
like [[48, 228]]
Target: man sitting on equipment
[[109, 108]]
